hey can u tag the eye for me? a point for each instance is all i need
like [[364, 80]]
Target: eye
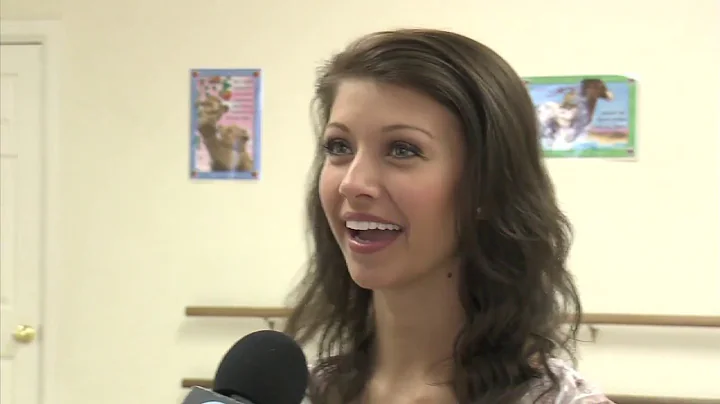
[[404, 150], [337, 147]]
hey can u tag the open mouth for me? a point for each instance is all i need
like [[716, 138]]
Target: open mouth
[[364, 232]]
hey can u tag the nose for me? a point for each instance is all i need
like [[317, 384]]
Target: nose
[[361, 180]]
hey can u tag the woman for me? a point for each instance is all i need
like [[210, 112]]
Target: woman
[[439, 266]]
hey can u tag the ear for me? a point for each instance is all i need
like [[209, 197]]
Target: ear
[[225, 108]]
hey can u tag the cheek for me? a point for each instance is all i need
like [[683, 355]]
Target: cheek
[[328, 188], [430, 211], [433, 193]]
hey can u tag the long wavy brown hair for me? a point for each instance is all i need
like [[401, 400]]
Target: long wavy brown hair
[[521, 305]]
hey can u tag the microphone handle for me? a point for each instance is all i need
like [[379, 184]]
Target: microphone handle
[[199, 395], [241, 400]]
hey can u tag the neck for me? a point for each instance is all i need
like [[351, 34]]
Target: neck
[[416, 329]]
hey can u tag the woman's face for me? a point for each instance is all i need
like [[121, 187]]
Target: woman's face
[[393, 161]]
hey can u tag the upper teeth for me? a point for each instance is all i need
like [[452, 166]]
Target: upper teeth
[[357, 225]]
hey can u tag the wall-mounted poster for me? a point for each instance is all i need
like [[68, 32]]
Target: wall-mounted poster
[[225, 124], [585, 116]]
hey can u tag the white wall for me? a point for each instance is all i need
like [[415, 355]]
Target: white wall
[[140, 241]]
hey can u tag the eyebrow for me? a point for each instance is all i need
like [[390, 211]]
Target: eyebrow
[[385, 129]]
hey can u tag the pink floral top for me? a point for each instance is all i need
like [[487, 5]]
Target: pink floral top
[[573, 389]]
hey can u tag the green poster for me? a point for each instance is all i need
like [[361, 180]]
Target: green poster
[[585, 116]]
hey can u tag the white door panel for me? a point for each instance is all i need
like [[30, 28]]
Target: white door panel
[[20, 222]]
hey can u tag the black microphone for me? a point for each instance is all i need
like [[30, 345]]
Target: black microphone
[[264, 367]]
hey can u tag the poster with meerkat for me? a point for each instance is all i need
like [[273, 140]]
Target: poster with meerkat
[[585, 116], [225, 124]]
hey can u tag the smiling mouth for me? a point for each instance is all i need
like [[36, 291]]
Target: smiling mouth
[[365, 232]]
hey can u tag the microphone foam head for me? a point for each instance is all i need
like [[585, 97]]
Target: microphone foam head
[[265, 367]]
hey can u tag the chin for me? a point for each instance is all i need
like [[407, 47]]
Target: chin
[[373, 278], [367, 278]]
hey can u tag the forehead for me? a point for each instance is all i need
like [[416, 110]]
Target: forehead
[[367, 102]]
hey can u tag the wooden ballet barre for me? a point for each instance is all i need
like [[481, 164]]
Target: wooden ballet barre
[[590, 318], [618, 399], [229, 311], [652, 320]]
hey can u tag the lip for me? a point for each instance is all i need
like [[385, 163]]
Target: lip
[[365, 217], [370, 247]]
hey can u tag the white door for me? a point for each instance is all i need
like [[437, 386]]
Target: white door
[[20, 222]]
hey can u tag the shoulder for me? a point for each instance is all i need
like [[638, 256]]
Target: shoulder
[[573, 388]]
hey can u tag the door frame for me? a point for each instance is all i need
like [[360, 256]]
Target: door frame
[[49, 34]]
